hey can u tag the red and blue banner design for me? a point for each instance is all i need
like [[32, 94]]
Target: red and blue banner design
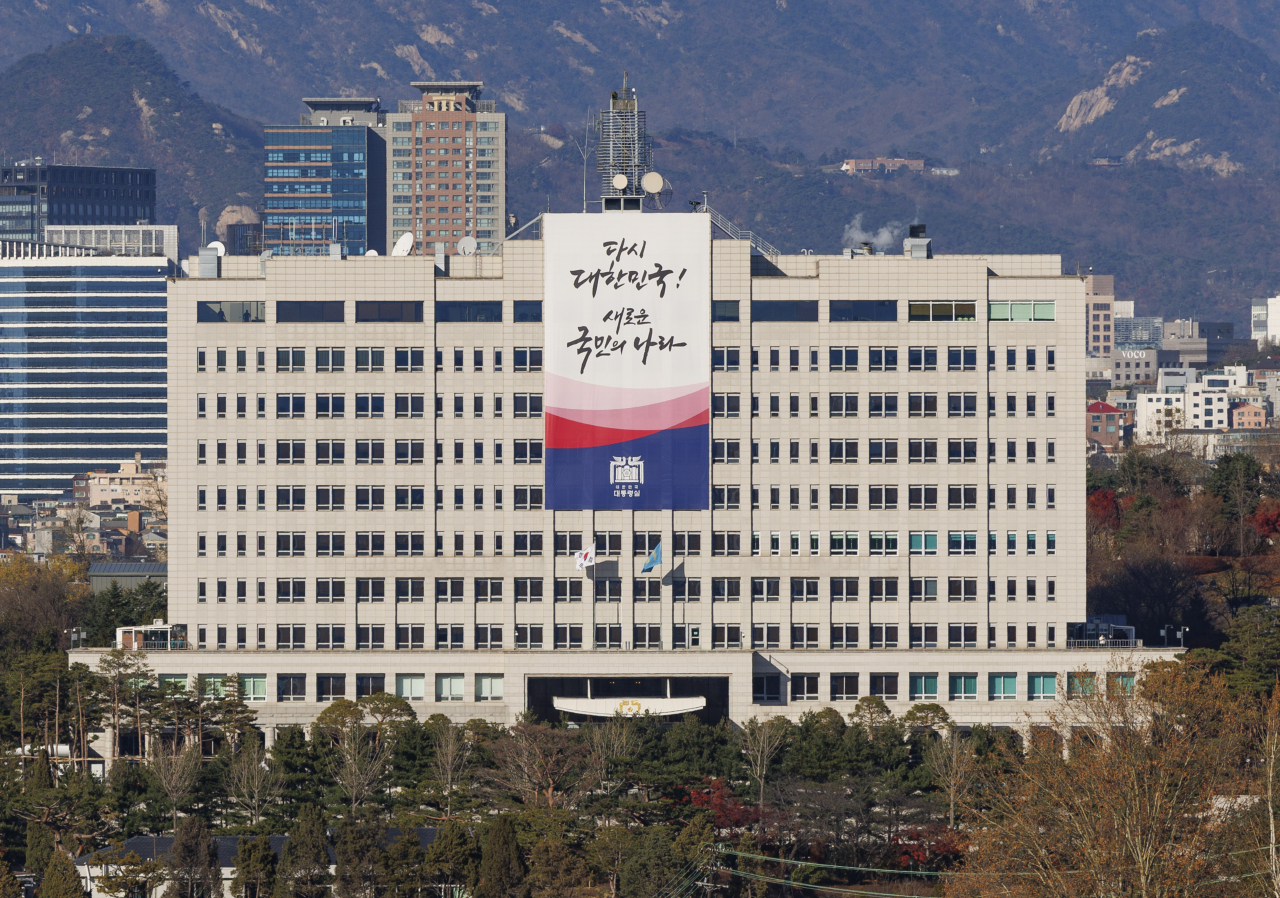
[[627, 354]]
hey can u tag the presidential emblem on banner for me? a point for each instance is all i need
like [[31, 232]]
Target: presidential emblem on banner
[[626, 473]]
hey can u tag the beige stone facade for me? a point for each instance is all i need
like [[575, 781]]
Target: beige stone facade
[[946, 564]]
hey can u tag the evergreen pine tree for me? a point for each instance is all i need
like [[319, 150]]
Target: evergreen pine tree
[[39, 847], [454, 857], [304, 866], [9, 885], [61, 879], [105, 611], [405, 871], [501, 866], [193, 861], [255, 875], [360, 857], [292, 756], [652, 864]]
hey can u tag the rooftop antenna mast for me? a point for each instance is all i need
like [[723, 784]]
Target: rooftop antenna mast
[[624, 155]]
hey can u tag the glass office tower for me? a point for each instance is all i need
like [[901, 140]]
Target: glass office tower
[[82, 367]]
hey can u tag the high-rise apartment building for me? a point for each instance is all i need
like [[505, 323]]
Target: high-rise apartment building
[[447, 159], [805, 479], [34, 195], [1099, 331], [325, 179], [83, 360]]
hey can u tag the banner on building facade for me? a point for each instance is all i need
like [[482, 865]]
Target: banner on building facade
[[627, 318]]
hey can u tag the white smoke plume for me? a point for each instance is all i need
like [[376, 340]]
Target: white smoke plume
[[887, 236]]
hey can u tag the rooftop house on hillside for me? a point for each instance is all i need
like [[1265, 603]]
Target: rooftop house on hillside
[[881, 164]]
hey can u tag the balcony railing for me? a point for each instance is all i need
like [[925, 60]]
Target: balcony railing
[[1106, 643]]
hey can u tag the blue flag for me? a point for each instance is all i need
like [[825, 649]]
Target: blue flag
[[655, 559]]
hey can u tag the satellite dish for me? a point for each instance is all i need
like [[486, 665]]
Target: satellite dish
[[657, 191], [620, 181], [467, 246], [372, 252], [404, 245], [219, 246]]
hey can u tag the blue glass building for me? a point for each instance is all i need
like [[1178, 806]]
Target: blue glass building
[[325, 182], [82, 367]]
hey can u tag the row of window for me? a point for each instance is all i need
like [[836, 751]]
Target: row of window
[[923, 687], [367, 358], [879, 496], [846, 451], [367, 452], [452, 637], [329, 687], [846, 405], [609, 589], [366, 405], [883, 358]]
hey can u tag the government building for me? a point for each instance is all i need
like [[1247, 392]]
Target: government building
[[805, 479]]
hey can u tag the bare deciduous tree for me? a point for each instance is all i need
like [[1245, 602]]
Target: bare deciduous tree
[[952, 766], [176, 768], [541, 764], [609, 743], [251, 782], [760, 744], [453, 749], [359, 763]]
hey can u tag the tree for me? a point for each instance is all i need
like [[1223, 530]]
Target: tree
[[251, 783], [540, 764], [652, 866], [760, 743], [951, 765], [405, 872], [501, 866], [192, 862], [304, 866], [451, 758], [387, 711], [554, 870], [360, 857], [9, 885], [61, 879], [608, 851], [454, 857], [610, 744], [255, 875], [122, 874], [39, 846], [1129, 808], [121, 676], [359, 764], [293, 761], [175, 769], [1237, 480]]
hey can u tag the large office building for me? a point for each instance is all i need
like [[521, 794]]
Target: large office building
[[805, 479], [82, 362], [356, 175], [325, 181], [34, 195]]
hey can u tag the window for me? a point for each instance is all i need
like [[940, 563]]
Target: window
[[331, 544], [922, 452], [962, 405], [685, 589], [881, 405], [528, 589], [882, 358], [528, 405], [331, 636], [723, 589], [725, 405], [608, 636], [369, 358], [370, 405], [804, 589], [1050, 543], [291, 358], [843, 589], [408, 358], [370, 589], [725, 452], [923, 687], [881, 497], [726, 543], [765, 688], [289, 452], [291, 637], [527, 452], [291, 688], [882, 542], [885, 686], [411, 589], [685, 543], [962, 589], [844, 687], [288, 544], [922, 405], [922, 358], [370, 498], [449, 687], [962, 636], [804, 687], [527, 358], [1002, 687], [884, 636], [1042, 686], [650, 590], [843, 452], [962, 451], [413, 405], [923, 542], [962, 542], [962, 687], [410, 687], [884, 589], [882, 452], [725, 497], [844, 358], [411, 636], [843, 405], [843, 497], [764, 589]]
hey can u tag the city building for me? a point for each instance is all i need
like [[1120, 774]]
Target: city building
[[1189, 400], [121, 240], [34, 195], [244, 239], [1203, 344], [1138, 333], [1247, 416], [325, 179], [1266, 321], [134, 483], [1133, 366], [834, 476], [881, 164], [1101, 290], [1108, 427], [84, 366], [469, 199]]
